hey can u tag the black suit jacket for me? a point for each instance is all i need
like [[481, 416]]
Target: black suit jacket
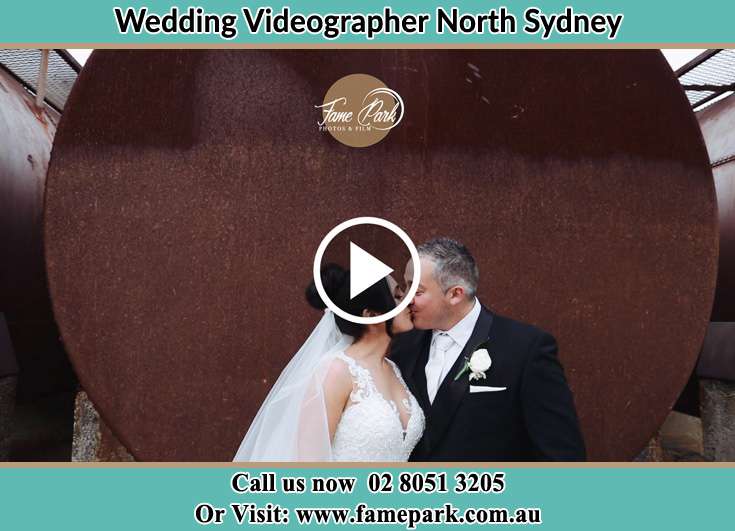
[[534, 419]]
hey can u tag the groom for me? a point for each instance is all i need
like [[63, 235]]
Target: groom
[[519, 408]]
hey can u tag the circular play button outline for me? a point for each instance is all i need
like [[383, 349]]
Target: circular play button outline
[[395, 229]]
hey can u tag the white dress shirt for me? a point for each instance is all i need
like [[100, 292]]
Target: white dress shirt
[[446, 346]]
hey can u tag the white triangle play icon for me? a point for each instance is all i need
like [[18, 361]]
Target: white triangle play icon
[[365, 270]]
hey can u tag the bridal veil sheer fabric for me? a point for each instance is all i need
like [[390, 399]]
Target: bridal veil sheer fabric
[[292, 423]]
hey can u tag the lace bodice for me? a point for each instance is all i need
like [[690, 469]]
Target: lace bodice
[[371, 428]]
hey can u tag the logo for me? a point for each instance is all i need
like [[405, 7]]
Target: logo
[[359, 110]]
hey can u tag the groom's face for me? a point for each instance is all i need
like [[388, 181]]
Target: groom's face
[[430, 305]]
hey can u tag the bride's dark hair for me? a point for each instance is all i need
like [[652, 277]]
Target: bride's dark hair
[[336, 281]]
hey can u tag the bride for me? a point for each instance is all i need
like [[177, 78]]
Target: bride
[[340, 398]]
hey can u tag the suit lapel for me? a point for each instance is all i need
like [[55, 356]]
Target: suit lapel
[[416, 373], [452, 391]]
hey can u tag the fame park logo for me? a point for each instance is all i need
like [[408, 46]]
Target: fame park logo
[[359, 110]]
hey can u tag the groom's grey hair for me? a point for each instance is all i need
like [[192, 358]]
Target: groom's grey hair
[[454, 265]]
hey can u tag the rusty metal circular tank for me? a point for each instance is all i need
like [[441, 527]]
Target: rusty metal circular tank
[[718, 128], [189, 190]]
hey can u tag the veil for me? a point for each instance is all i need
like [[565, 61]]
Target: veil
[[292, 424]]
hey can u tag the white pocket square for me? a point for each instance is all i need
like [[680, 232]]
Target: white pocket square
[[485, 389]]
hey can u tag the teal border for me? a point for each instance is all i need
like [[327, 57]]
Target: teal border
[[570, 498], [645, 22]]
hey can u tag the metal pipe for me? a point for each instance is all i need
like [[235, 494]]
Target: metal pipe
[[42, 80]]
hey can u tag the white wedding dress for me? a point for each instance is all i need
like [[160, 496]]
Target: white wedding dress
[[292, 423], [370, 428]]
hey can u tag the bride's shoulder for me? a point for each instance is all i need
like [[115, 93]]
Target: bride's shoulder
[[340, 363], [337, 371]]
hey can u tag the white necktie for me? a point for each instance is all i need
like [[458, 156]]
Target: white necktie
[[434, 367]]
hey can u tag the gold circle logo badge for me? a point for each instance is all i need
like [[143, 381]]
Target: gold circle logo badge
[[359, 110]]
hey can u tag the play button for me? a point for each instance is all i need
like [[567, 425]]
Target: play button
[[366, 269]]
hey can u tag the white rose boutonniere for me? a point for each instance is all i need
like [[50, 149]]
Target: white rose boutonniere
[[477, 364]]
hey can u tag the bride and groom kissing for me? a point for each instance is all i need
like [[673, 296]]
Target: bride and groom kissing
[[444, 380]]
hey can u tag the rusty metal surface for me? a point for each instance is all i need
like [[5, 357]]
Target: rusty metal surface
[[189, 190], [718, 128], [26, 135], [717, 360]]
